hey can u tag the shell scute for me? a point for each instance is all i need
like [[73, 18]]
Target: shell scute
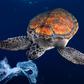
[[55, 22]]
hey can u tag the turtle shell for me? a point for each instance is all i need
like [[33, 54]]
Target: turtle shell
[[58, 22]]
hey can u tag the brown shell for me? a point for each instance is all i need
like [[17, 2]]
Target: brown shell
[[55, 22]]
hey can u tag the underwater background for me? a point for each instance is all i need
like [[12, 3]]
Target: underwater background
[[53, 69]]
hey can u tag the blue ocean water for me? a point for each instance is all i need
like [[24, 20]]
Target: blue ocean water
[[53, 69]]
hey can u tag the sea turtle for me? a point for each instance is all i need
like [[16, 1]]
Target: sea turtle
[[48, 30]]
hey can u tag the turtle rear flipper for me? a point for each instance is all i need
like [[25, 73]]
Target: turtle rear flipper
[[35, 51], [72, 55], [15, 43]]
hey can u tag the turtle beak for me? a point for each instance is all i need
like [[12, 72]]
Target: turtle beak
[[61, 42]]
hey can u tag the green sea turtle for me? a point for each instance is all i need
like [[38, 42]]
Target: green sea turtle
[[48, 30]]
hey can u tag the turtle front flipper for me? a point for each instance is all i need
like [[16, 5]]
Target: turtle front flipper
[[15, 43], [72, 55], [35, 51]]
